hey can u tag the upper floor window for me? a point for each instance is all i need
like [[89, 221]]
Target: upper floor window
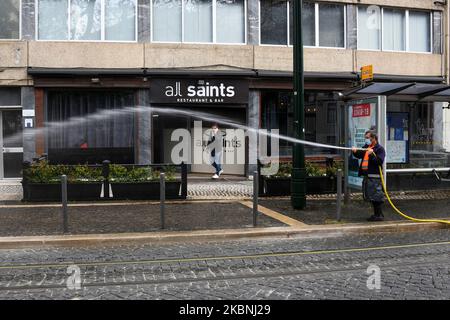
[[323, 24], [84, 20], [9, 19], [394, 29], [202, 21]]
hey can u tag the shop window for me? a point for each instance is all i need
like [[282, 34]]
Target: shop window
[[9, 19], [323, 24], [90, 126], [422, 132], [84, 20], [203, 21], [321, 122]]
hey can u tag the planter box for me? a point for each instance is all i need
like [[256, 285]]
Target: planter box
[[40, 192], [145, 190], [282, 186], [52, 191]]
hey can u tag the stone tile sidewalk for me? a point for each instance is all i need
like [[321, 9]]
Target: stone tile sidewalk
[[233, 189]]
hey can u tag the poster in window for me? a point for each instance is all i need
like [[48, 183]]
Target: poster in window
[[397, 145], [362, 116]]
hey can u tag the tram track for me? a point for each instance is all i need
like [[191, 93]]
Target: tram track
[[424, 258]]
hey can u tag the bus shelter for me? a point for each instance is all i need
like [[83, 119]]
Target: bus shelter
[[376, 106]]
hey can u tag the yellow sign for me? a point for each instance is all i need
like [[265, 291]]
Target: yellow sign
[[367, 73]]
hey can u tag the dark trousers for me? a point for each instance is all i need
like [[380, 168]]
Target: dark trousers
[[377, 210], [217, 166]]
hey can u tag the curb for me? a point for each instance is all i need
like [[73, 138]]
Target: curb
[[213, 235]]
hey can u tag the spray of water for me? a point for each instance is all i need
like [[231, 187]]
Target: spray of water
[[55, 126]]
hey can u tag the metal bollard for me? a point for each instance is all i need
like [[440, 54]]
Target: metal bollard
[[255, 197], [339, 194], [105, 173], [64, 203], [162, 197]]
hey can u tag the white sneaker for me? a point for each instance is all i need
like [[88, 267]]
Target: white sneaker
[[220, 172], [215, 176]]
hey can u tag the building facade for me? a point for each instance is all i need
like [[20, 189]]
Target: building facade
[[79, 78]]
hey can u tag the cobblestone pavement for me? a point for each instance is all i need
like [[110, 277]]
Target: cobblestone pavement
[[412, 266], [226, 189], [235, 189]]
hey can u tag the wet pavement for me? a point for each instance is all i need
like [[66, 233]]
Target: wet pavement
[[412, 265], [324, 211], [128, 217]]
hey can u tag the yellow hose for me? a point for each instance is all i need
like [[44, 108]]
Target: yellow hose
[[401, 213]]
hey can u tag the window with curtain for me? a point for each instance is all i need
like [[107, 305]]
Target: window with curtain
[[72, 125], [394, 29], [308, 23], [52, 19], [198, 21], [369, 28], [86, 20], [419, 31], [331, 25], [9, 19], [273, 16], [120, 18], [167, 20], [230, 21]]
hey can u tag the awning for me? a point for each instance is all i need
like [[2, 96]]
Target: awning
[[221, 71], [403, 91]]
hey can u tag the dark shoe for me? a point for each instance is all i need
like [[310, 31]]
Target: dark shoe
[[375, 218]]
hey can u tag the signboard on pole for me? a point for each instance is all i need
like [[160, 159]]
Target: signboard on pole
[[367, 73], [362, 116]]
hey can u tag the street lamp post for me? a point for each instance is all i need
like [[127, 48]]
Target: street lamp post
[[298, 194]]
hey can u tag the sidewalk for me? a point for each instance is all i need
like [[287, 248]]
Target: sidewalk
[[226, 213]]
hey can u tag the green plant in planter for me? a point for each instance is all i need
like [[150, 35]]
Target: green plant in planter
[[119, 173], [42, 172], [170, 173], [84, 173], [332, 170], [315, 170]]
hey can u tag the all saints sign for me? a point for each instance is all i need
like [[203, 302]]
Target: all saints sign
[[195, 91]]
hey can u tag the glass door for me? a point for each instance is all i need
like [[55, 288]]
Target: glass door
[[11, 143]]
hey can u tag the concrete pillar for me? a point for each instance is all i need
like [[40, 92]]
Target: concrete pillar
[[29, 138], [253, 116], [144, 128], [446, 128], [438, 126], [144, 20], [253, 22], [352, 25], [28, 20]]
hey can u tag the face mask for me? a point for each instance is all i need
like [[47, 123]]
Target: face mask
[[368, 142]]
